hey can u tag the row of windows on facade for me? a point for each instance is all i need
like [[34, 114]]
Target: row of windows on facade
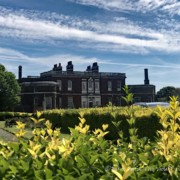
[[71, 104], [90, 86]]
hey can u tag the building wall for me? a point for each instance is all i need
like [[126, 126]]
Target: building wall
[[49, 93]]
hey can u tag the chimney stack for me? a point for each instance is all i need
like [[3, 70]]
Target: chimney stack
[[55, 66], [20, 72], [88, 68], [95, 67], [69, 67], [59, 68], [146, 81]]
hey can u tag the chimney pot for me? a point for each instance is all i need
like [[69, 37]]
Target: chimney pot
[[146, 81], [70, 63], [20, 72], [69, 67], [95, 67]]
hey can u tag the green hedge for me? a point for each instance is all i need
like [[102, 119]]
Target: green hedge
[[147, 122], [9, 115]]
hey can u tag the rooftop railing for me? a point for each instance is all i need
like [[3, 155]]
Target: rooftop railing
[[80, 73]]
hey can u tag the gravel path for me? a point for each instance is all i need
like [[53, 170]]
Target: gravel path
[[8, 136]]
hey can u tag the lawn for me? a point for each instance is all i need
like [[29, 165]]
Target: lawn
[[28, 133]]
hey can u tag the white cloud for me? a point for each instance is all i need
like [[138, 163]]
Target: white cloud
[[128, 5], [122, 35], [160, 71]]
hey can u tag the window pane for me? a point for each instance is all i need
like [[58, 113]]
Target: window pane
[[36, 89], [70, 102], [59, 84], [118, 102], [137, 99], [60, 103], [83, 86], [90, 85], [84, 104], [36, 101], [118, 84], [149, 99], [97, 86], [97, 103], [109, 85], [109, 99], [69, 85]]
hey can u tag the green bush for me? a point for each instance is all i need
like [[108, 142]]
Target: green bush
[[10, 115], [87, 155], [147, 121]]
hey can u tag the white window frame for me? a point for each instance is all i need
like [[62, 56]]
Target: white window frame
[[118, 85], [84, 83], [70, 103], [97, 103], [59, 84], [69, 85], [109, 86], [96, 86], [90, 88]]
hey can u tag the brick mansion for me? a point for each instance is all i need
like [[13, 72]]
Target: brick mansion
[[78, 89]]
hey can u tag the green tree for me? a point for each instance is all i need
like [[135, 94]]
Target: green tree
[[176, 93], [164, 93], [9, 89]]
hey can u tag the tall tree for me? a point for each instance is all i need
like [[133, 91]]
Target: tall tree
[[164, 93], [9, 89]]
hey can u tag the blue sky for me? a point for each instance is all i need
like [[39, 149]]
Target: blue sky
[[121, 35]]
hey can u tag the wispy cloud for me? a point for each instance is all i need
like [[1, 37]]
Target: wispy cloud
[[8, 56], [159, 71], [120, 35], [134, 5]]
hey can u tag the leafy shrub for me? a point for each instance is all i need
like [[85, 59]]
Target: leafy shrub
[[87, 155], [10, 115]]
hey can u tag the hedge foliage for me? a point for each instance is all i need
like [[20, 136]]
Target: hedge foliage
[[147, 121], [87, 155], [9, 115]]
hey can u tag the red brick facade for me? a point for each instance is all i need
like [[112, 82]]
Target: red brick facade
[[89, 89]]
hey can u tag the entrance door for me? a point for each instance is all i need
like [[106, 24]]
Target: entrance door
[[90, 104], [48, 103]]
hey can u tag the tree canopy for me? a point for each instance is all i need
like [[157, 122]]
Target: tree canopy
[[164, 93], [9, 89]]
